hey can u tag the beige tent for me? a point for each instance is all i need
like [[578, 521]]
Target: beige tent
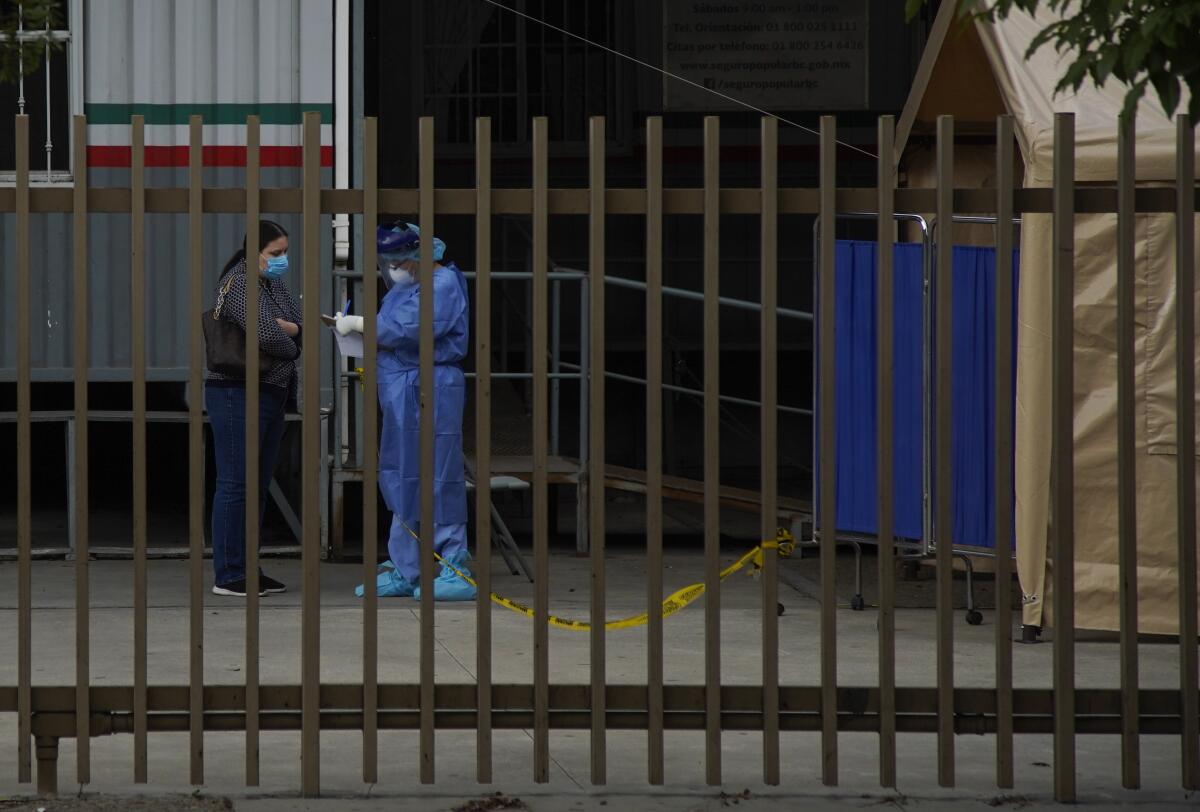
[[993, 57]]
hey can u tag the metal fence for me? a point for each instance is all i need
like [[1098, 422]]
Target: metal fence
[[47, 714]]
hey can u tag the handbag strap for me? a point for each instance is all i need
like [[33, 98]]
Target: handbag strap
[[221, 296], [225, 289]]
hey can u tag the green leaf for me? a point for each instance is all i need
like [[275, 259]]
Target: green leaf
[[1073, 78], [1109, 55], [1045, 35], [1135, 54], [1168, 90], [1170, 35]]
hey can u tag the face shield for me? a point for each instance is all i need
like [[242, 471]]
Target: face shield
[[399, 243]]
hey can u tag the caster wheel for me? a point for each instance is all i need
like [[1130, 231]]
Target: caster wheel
[[974, 617], [779, 610], [857, 603]]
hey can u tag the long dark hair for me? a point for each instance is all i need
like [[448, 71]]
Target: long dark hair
[[268, 232]]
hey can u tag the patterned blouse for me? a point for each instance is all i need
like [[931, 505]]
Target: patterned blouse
[[274, 301]]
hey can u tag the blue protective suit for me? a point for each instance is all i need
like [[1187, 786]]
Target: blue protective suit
[[399, 400]]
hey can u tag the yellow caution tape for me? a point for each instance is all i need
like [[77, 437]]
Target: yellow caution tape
[[783, 542]]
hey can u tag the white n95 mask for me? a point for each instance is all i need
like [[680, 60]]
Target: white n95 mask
[[400, 276]]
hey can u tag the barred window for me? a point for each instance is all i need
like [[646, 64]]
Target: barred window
[[482, 61], [49, 95]]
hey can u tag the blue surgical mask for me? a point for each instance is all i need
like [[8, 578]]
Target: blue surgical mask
[[276, 266]]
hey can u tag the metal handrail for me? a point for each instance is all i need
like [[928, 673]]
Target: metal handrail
[[683, 390], [500, 376], [698, 296], [968, 219], [571, 274]]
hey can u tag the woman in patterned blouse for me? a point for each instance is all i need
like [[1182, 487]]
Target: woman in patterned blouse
[[279, 341]]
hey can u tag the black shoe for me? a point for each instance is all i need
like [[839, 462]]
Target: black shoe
[[269, 584], [236, 589]]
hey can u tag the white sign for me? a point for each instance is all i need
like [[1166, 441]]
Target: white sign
[[789, 55]]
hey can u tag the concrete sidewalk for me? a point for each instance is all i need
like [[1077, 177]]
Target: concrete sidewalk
[[569, 788]]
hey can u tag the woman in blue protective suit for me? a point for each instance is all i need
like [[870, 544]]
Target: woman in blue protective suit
[[399, 399]]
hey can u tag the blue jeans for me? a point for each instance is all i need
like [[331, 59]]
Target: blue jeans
[[226, 407]]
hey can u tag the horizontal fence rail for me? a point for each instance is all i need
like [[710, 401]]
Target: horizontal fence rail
[[710, 707], [1088, 200], [112, 708]]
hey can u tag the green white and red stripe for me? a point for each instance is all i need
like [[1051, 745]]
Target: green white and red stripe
[[167, 133]]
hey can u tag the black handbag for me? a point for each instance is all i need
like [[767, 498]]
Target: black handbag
[[225, 342]]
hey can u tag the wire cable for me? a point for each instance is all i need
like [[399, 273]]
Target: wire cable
[[671, 75]]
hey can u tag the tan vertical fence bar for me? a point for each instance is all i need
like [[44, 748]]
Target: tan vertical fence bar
[[654, 486], [885, 485], [79, 233], [196, 305], [1004, 450], [712, 449], [1185, 386], [370, 453], [1127, 453], [137, 265], [826, 314], [1062, 475], [483, 446], [425, 307], [943, 507], [596, 415], [24, 503], [252, 462], [768, 454], [541, 530], [310, 690]]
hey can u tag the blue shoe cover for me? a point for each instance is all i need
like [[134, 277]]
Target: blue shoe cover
[[382, 581], [390, 585], [448, 586]]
